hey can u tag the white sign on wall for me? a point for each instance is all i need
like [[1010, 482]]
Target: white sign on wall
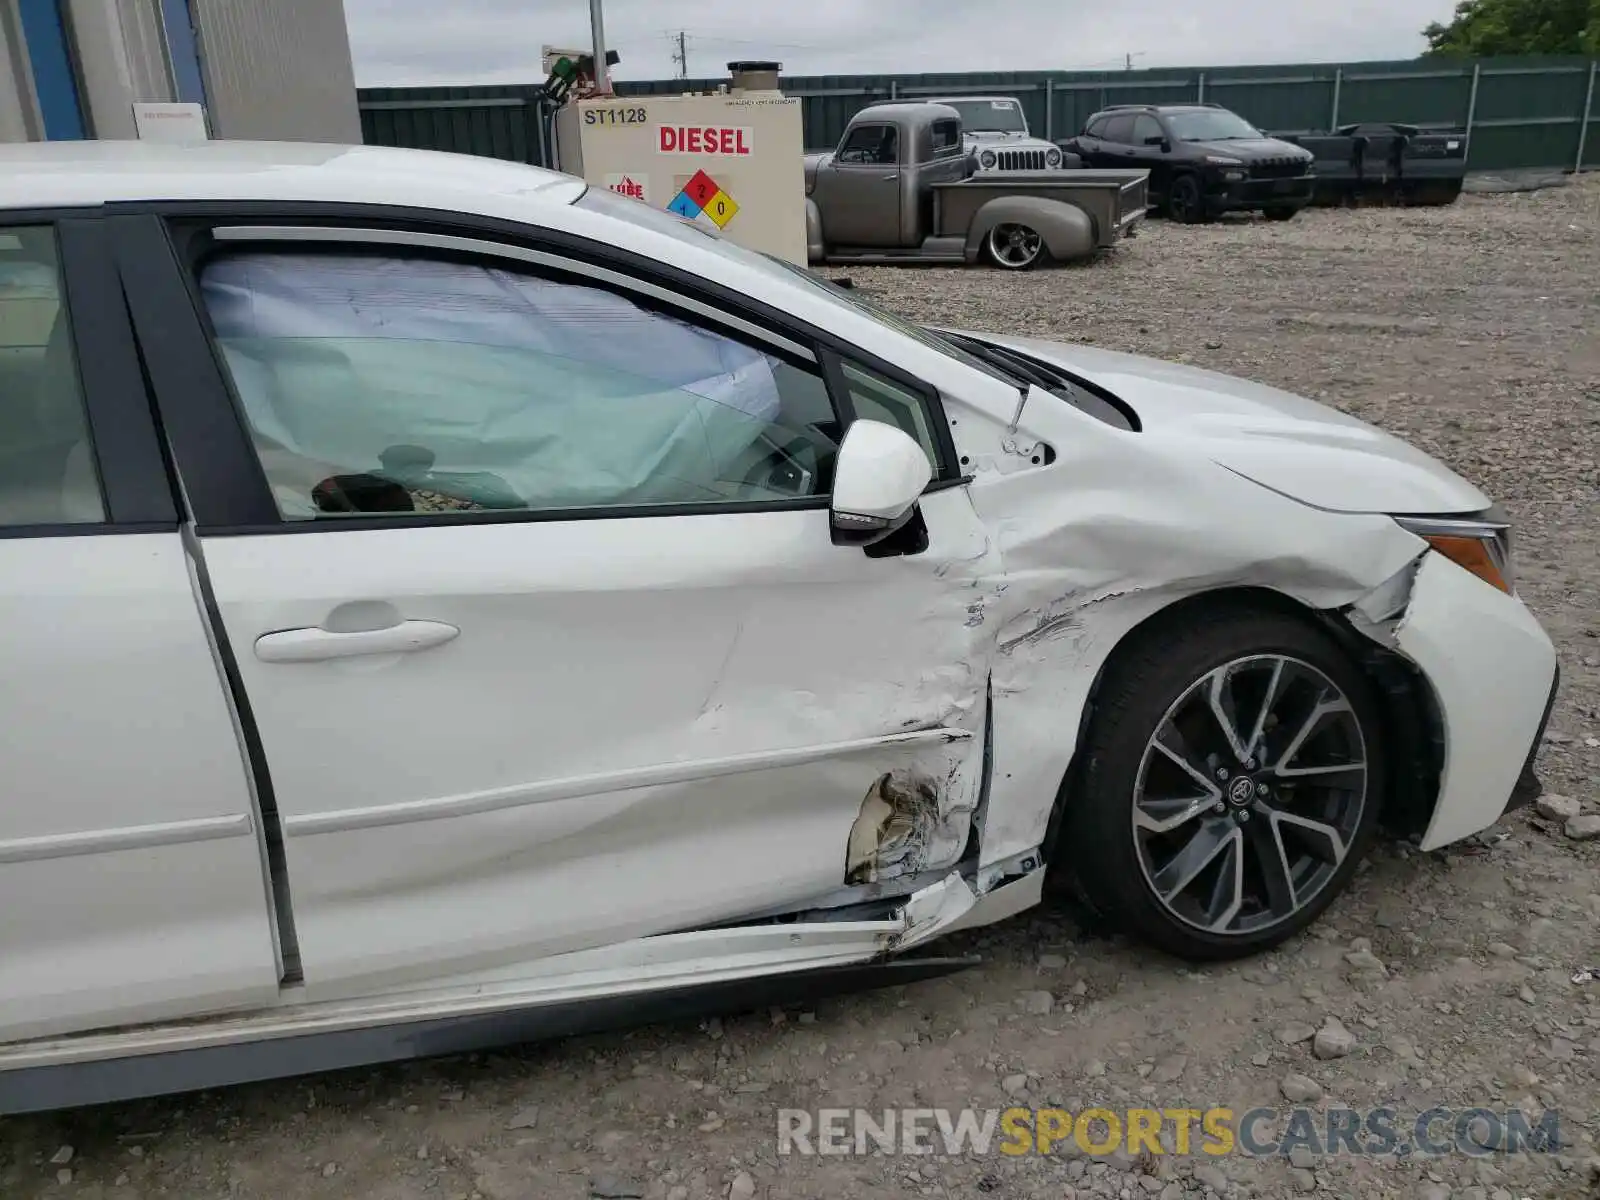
[[170, 122]]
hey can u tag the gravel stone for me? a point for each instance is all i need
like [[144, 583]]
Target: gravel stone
[[1557, 808], [1300, 1089], [1584, 828], [1333, 1040]]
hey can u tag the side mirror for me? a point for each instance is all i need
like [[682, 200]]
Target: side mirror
[[1158, 140], [878, 476]]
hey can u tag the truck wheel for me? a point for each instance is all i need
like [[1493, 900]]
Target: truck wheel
[[1014, 247], [1185, 204], [1232, 776], [1280, 212]]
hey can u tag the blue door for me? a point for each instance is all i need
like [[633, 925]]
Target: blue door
[[54, 82]]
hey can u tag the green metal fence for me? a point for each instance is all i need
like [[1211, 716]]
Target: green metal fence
[[1517, 112]]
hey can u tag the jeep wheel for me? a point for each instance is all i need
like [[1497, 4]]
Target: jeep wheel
[[1280, 212], [1231, 781], [1185, 204], [1014, 247]]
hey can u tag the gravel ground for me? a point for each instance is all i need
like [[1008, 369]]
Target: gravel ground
[[1472, 331]]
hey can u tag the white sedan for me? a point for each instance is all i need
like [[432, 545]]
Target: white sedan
[[451, 605]]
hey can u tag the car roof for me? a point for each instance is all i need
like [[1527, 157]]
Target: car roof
[[67, 174]]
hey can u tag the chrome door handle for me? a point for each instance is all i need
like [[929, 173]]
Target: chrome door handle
[[315, 644]]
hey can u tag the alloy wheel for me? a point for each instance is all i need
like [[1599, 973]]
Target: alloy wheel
[[1015, 246], [1249, 794]]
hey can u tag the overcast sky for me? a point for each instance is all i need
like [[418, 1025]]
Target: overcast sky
[[397, 42]]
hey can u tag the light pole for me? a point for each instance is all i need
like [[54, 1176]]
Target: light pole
[[597, 26]]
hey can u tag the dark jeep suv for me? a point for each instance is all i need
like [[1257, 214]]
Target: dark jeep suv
[[1203, 159]]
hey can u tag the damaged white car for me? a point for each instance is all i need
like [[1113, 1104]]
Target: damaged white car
[[454, 605]]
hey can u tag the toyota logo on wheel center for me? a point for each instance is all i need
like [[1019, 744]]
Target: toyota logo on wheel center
[[1241, 790]]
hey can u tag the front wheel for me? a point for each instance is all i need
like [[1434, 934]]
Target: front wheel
[[1232, 778], [1014, 247], [1185, 202]]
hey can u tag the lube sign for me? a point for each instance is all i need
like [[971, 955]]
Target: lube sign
[[728, 141]]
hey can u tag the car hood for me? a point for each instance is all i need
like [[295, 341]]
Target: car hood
[[1299, 448], [1254, 149]]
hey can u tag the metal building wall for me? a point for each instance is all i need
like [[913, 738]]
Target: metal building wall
[[1520, 112], [19, 116], [277, 69]]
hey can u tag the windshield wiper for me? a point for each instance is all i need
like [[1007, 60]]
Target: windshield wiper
[[1019, 369]]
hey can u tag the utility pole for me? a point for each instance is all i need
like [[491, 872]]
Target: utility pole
[[682, 55], [597, 27]]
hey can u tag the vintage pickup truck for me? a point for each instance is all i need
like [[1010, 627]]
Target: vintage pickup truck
[[994, 130], [901, 187]]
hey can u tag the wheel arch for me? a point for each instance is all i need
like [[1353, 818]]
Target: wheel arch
[[1411, 713], [1068, 232]]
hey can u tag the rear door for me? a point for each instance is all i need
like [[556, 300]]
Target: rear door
[[1115, 144], [525, 560], [131, 869]]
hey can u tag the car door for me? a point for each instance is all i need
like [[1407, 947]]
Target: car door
[[860, 189], [131, 878], [1143, 153], [1115, 145], [1087, 145], [526, 564]]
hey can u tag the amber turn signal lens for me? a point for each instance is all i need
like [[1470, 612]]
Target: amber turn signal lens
[[1471, 554]]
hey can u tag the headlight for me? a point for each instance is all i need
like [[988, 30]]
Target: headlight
[[1481, 545], [1052, 158], [986, 159], [1222, 160]]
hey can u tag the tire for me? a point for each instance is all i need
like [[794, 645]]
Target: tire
[[1281, 212], [1320, 824], [1013, 246], [1185, 202]]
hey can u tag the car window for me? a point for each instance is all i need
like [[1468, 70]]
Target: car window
[[876, 398], [876, 145], [1097, 127], [1119, 130], [47, 471], [946, 136], [377, 382], [1145, 127], [1211, 125]]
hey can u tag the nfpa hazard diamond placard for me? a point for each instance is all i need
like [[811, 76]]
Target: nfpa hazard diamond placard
[[702, 198]]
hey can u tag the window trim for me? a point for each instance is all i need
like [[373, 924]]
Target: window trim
[[878, 126], [136, 492], [194, 388]]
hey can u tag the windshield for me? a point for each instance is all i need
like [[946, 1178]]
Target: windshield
[[989, 116], [636, 212], [1210, 125]]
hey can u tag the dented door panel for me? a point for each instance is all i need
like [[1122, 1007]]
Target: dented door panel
[[645, 725]]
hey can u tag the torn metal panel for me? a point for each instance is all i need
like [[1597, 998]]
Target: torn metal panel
[[1492, 669], [908, 823], [933, 911], [1118, 527]]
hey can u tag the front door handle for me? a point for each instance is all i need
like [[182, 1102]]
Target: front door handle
[[317, 645]]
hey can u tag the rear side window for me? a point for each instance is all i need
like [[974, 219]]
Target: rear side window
[[946, 136], [47, 471], [1119, 130]]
